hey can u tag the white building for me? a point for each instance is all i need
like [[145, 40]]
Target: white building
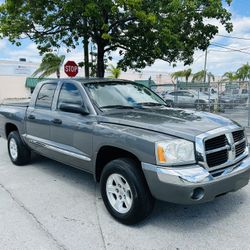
[[13, 75]]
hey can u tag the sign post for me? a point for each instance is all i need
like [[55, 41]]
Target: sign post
[[71, 68]]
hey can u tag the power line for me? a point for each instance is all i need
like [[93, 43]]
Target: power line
[[235, 37], [217, 50], [198, 57], [229, 48]]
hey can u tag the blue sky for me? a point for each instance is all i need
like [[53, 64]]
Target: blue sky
[[241, 7], [219, 59]]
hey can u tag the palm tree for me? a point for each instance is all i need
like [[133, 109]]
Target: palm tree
[[50, 64], [115, 71], [187, 73], [177, 74], [210, 77], [199, 76], [243, 73], [229, 76], [182, 73]]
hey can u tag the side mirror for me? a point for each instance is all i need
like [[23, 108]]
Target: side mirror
[[73, 108]]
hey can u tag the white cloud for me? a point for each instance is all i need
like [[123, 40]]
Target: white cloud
[[30, 53], [218, 61]]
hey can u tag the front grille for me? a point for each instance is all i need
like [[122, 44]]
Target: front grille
[[217, 158], [224, 149], [216, 142], [238, 135], [240, 148]]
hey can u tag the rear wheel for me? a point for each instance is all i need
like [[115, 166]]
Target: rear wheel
[[125, 192], [200, 106], [19, 153]]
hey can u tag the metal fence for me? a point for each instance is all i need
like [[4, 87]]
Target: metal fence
[[227, 99]]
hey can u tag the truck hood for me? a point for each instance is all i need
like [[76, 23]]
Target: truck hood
[[180, 123]]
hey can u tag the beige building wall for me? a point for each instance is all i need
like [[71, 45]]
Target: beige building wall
[[13, 87], [13, 75]]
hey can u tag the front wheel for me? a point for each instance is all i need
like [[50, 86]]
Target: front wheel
[[125, 192], [19, 153], [170, 104]]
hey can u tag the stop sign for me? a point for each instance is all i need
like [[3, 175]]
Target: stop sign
[[71, 68]]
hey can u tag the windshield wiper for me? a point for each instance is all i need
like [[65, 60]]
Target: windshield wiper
[[151, 104], [116, 107]]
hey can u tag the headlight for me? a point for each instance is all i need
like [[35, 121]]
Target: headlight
[[175, 152]]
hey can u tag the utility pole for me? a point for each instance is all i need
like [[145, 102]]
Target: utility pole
[[205, 67], [205, 78]]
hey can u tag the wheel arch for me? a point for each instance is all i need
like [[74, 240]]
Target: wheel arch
[[108, 153], [10, 127]]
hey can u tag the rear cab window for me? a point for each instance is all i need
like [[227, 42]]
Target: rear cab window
[[45, 97]]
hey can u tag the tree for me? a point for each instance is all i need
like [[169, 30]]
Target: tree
[[182, 73], [177, 74], [210, 77], [243, 73], [50, 64], [229, 76], [141, 31], [115, 71], [199, 76]]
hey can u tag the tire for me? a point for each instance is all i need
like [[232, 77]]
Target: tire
[[138, 203], [19, 153], [170, 104], [200, 106]]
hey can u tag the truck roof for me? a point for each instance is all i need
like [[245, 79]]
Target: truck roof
[[98, 80]]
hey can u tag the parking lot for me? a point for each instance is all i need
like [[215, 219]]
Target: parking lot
[[47, 205]]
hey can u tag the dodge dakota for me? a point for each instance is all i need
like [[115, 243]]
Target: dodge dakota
[[134, 145]]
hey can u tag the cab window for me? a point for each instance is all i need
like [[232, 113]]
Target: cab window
[[69, 94], [45, 96]]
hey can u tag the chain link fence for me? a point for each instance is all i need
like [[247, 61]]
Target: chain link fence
[[227, 99]]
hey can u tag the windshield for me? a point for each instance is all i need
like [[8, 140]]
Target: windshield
[[122, 94]]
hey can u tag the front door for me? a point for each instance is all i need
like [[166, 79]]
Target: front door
[[71, 133]]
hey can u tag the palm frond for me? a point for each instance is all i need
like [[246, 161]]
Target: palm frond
[[50, 64]]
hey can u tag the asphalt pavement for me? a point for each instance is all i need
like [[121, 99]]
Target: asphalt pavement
[[47, 205]]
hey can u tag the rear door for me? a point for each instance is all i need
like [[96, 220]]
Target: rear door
[[38, 118]]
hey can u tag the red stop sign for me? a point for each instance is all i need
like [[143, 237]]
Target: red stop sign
[[71, 68]]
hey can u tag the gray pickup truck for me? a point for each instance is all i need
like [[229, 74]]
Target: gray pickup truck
[[133, 144]]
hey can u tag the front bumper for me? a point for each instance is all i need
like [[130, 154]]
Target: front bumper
[[194, 184]]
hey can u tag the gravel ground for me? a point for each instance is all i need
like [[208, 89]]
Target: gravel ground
[[47, 205]]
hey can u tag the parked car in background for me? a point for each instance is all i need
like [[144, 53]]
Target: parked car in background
[[189, 98], [234, 97]]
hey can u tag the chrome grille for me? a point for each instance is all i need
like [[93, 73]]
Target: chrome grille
[[221, 147]]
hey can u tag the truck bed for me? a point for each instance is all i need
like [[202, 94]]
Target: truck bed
[[13, 112]]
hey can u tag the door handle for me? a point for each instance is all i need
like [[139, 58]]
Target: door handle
[[31, 117], [57, 121]]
